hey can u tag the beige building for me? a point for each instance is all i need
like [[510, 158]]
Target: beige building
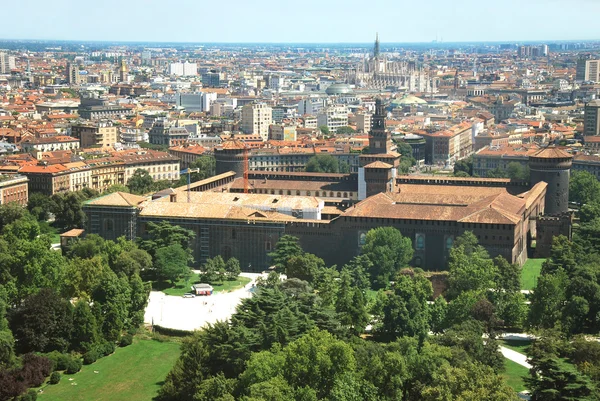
[[588, 70], [363, 122], [98, 134], [256, 118], [591, 119]]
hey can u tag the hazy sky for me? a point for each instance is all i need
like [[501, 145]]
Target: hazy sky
[[301, 20]]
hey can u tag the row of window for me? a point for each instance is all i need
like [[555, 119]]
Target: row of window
[[307, 193]]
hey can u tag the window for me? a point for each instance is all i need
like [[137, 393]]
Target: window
[[268, 246], [108, 224], [233, 234], [339, 194]]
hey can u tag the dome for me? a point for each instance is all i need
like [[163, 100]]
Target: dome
[[338, 89], [407, 101]]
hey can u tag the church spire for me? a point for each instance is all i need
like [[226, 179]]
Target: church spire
[[376, 49]]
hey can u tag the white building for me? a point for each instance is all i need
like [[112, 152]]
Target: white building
[[183, 69], [256, 118], [311, 105], [7, 63], [333, 117], [197, 101]]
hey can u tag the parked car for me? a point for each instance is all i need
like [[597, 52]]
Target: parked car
[[189, 295]]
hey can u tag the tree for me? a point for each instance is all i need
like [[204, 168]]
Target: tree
[[388, 252], [589, 211], [163, 234], [345, 130], [111, 298], [517, 171], [498, 172], [117, 188], [171, 262], [351, 305], [304, 267], [286, 248], [141, 182], [359, 266], [85, 327], [322, 163], [470, 267], [344, 167], [469, 382], [83, 275], [324, 130], [67, 210], [547, 300], [132, 262], [583, 187], [213, 271], [206, 165], [406, 312], [39, 205], [42, 323], [465, 166], [232, 269]]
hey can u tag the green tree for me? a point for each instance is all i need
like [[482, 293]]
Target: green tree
[[324, 130], [232, 269], [465, 166], [132, 262], [589, 211], [141, 182], [67, 210], [322, 163], [517, 171], [85, 327], [39, 205], [388, 252], [43, 322], [583, 187], [437, 315], [7, 341], [286, 248], [351, 304], [345, 130], [171, 263], [163, 234], [10, 212], [213, 270], [547, 300], [406, 312], [111, 300], [83, 276], [304, 267], [117, 188], [470, 267], [469, 382], [344, 167], [359, 266], [206, 165]]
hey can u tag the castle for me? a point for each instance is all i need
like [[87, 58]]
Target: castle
[[505, 216]]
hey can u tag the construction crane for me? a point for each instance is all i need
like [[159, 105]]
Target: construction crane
[[189, 172]]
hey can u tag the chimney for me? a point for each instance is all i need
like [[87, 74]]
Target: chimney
[[173, 198]]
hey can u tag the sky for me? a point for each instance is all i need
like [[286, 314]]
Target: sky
[[301, 21]]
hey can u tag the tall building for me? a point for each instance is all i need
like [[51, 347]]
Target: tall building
[[333, 117], [183, 69], [123, 71], [72, 73], [101, 133], [587, 70], [211, 79], [7, 63], [256, 118], [591, 118]]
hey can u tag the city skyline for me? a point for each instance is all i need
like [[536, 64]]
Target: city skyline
[[265, 21]]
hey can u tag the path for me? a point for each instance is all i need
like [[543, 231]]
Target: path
[[515, 356], [176, 312]]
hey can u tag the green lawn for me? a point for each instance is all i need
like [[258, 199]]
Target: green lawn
[[133, 373], [513, 374], [184, 285], [519, 346], [530, 273], [47, 228]]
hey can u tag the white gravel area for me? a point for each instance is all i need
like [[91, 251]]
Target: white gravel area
[[176, 312]]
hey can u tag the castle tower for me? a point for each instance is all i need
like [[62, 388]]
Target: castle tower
[[378, 167], [229, 156], [552, 166], [123, 71]]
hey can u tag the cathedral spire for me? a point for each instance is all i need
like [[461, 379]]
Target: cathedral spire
[[376, 49]]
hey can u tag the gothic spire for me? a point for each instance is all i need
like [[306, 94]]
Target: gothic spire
[[376, 50]]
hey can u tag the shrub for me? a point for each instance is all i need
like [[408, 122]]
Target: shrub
[[55, 378], [90, 357], [126, 340], [106, 348], [74, 366], [30, 395], [61, 361]]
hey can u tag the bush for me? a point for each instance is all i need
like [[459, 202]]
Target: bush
[[55, 378], [106, 349], [90, 357], [74, 366], [61, 361], [31, 395], [126, 340]]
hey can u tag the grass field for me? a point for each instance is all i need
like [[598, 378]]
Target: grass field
[[183, 285], [513, 374], [519, 346], [133, 373], [530, 273]]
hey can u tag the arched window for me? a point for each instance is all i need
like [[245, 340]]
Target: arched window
[[280, 192], [345, 194], [297, 193], [289, 192], [307, 193], [331, 194], [339, 194]]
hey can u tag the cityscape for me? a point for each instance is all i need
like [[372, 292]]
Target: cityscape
[[383, 217]]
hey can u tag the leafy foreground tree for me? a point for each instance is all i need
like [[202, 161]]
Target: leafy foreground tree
[[322, 163], [583, 187], [388, 252], [286, 248]]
